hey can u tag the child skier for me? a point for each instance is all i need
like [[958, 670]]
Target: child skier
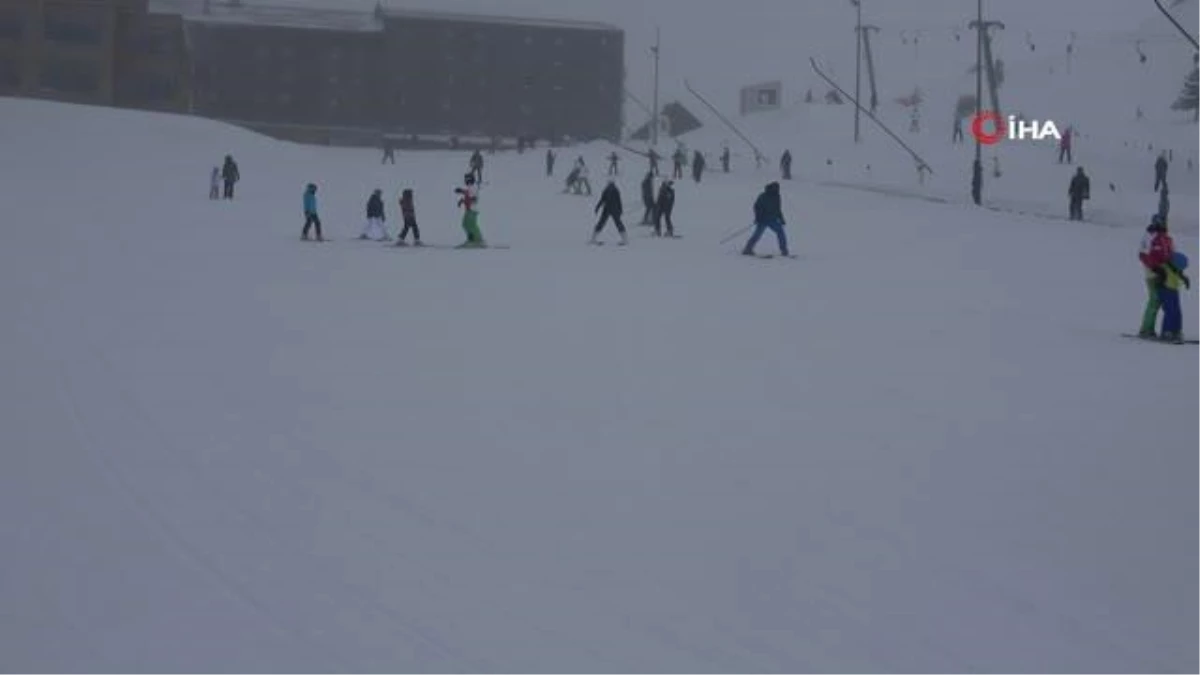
[[375, 218], [409, 211], [1150, 312], [469, 200], [1167, 267], [214, 183], [310, 213]]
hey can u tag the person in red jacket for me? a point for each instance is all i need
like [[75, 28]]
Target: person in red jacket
[[1166, 275], [1153, 241]]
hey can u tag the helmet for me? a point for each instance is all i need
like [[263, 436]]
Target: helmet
[[1179, 261]]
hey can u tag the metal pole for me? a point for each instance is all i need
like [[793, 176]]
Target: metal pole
[[857, 66], [977, 170], [654, 122]]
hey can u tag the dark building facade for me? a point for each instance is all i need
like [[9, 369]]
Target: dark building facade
[[104, 52]]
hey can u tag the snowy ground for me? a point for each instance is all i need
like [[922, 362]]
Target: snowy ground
[[923, 446]]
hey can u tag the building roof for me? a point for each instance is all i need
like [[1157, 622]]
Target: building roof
[[220, 12], [434, 15]]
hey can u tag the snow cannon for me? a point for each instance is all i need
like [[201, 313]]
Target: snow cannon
[[1179, 261]]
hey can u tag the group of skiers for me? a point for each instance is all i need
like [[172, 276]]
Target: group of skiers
[[376, 219]]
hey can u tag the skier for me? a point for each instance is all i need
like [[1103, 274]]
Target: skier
[[768, 214], [648, 198], [958, 131], [1064, 145], [653, 156], [476, 165], [664, 207], [1080, 189], [375, 217], [230, 175], [697, 166], [1150, 312], [214, 183], [550, 162], [1166, 266], [1160, 171], [1164, 202], [311, 218], [725, 159], [609, 206], [389, 151], [409, 212], [581, 179], [785, 164], [572, 180], [613, 159], [678, 160], [469, 200]]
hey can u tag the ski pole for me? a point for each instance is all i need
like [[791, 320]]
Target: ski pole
[[737, 234]]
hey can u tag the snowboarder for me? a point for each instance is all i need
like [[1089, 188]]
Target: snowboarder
[[698, 162], [469, 200], [550, 157], [678, 160], [1064, 145], [653, 156], [1079, 190], [230, 175], [609, 206], [375, 218], [664, 207], [311, 219], [389, 151], [785, 164], [1160, 171], [613, 169], [476, 166], [768, 214], [214, 183], [408, 210], [648, 198], [725, 159]]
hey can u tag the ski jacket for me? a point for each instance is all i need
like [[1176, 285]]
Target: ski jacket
[[1156, 250], [768, 208], [470, 198], [375, 207], [1081, 187], [610, 201], [1160, 167], [407, 207], [230, 172], [666, 198], [648, 189], [310, 202]]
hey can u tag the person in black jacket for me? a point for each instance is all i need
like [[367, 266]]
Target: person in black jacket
[[768, 214], [1160, 171], [725, 159], [609, 206], [1080, 189], [375, 218], [408, 210], [230, 175], [785, 164], [648, 198], [698, 163], [664, 207]]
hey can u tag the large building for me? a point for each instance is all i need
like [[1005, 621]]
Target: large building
[[321, 75]]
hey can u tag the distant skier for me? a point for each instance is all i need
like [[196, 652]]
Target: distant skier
[[1160, 171], [1064, 145], [613, 160], [572, 181], [768, 214], [698, 163], [725, 159], [476, 165], [1164, 202], [230, 175], [958, 130], [664, 207], [375, 218], [469, 201], [648, 198], [311, 219], [214, 183], [1079, 190], [678, 160], [785, 164], [550, 157], [408, 210], [653, 156], [389, 151], [582, 181], [608, 207]]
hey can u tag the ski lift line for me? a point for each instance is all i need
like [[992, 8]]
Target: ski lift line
[[921, 163], [757, 153]]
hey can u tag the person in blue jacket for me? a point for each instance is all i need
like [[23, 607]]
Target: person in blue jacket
[[768, 214], [311, 218]]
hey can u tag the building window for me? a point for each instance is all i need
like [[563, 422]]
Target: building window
[[69, 77], [71, 32]]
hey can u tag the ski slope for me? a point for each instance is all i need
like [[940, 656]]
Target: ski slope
[[922, 446]]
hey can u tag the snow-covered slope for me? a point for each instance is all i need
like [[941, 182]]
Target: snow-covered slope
[[921, 446]]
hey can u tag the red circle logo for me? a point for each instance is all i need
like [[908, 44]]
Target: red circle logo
[[980, 132]]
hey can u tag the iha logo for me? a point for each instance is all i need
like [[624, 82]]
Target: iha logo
[[989, 129]]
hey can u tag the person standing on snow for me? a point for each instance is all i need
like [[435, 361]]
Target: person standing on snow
[[1160, 172], [678, 160], [469, 201], [214, 183], [231, 175], [648, 198], [785, 164], [311, 218], [608, 207], [1166, 266], [476, 165], [698, 163], [1153, 305], [725, 159], [408, 210], [375, 218], [1080, 189], [613, 164], [653, 156], [581, 181], [549, 162], [664, 208], [1064, 145], [768, 214]]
